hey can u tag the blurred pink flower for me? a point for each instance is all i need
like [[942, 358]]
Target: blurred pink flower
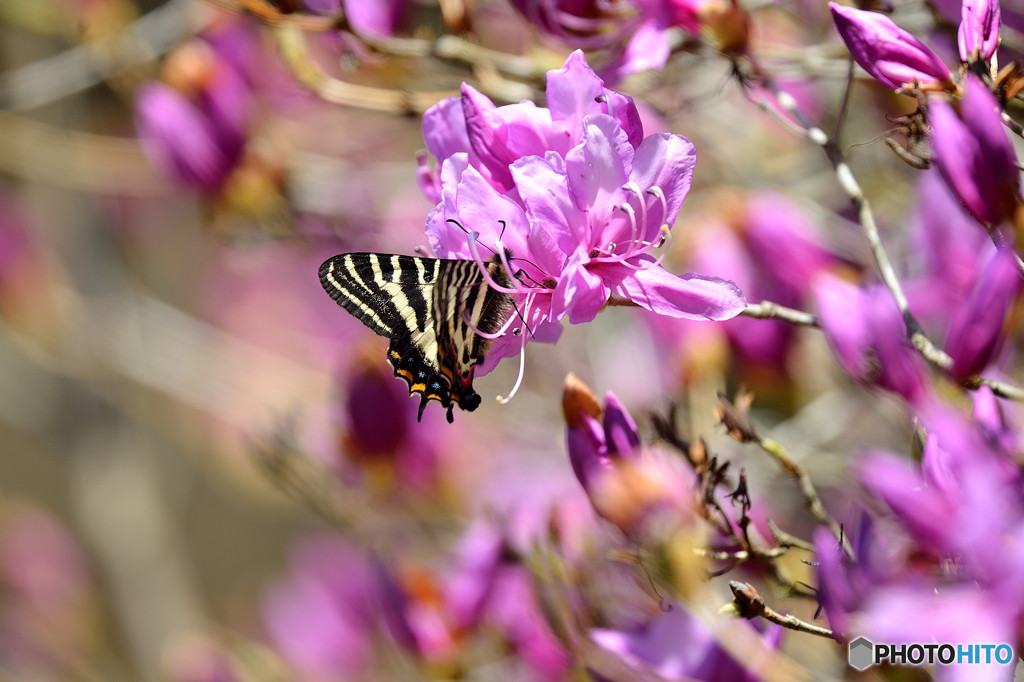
[[374, 17], [889, 54], [654, 647], [379, 432], [196, 659], [325, 615], [772, 251], [868, 336], [633, 487], [952, 543], [950, 253], [974, 154], [194, 127], [487, 585], [319, 616], [44, 613], [978, 328]]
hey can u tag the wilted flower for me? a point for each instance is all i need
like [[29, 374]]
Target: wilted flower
[[575, 194], [978, 35], [889, 54], [974, 155]]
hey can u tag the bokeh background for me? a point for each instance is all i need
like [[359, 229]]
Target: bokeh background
[[175, 413]]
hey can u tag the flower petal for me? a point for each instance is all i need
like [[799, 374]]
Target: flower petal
[[598, 167], [580, 294], [691, 296], [664, 161]]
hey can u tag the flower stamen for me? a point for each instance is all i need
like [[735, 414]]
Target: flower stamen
[[471, 238], [522, 354]]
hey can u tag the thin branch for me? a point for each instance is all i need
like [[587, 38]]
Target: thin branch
[[807, 489], [1015, 127], [750, 604], [296, 57], [768, 310]]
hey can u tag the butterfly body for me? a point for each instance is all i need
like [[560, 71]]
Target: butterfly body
[[429, 309]]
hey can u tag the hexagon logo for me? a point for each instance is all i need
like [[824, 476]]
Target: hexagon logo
[[862, 653]]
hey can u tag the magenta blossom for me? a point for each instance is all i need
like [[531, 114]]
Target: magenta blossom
[[978, 36], [867, 335], [974, 154], [889, 54], [634, 488], [322, 617], [947, 564], [575, 195], [635, 31], [194, 126], [976, 333], [653, 650], [488, 586]]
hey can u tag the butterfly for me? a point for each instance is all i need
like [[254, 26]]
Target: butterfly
[[431, 310]]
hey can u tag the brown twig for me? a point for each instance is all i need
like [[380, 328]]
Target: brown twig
[[750, 604]]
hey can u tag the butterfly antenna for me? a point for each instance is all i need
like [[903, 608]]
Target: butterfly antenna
[[471, 234]]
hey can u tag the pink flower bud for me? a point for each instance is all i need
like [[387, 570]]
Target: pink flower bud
[[978, 36], [976, 333], [974, 155], [889, 54]]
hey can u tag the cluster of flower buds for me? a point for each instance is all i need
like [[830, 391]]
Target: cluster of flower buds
[[969, 144]]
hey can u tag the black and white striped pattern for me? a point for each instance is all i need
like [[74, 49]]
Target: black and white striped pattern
[[418, 303]]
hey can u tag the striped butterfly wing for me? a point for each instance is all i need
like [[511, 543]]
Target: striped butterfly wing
[[422, 306]]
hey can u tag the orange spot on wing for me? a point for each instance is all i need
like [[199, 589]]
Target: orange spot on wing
[[418, 388], [404, 373]]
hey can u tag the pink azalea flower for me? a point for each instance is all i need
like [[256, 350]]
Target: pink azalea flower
[[974, 154], [574, 196], [635, 31], [889, 54]]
